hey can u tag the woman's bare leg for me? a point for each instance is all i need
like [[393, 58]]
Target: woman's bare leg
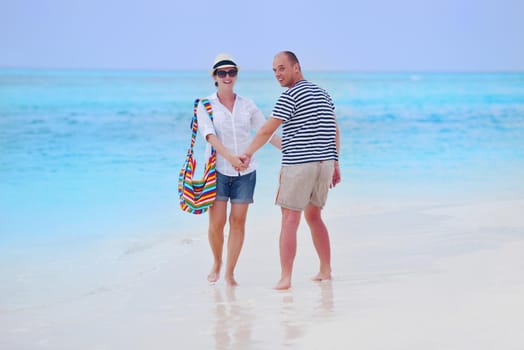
[[237, 227], [217, 221]]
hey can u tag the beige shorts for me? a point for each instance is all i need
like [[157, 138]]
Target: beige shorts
[[304, 184]]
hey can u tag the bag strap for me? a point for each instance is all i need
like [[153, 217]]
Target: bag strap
[[194, 122], [206, 104]]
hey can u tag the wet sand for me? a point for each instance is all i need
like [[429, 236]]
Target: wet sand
[[415, 276]]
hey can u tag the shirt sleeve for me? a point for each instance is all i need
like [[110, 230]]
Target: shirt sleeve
[[205, 124], [284, 108], [330, 100]]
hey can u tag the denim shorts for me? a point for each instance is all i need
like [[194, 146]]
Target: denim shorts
[[240, 189]]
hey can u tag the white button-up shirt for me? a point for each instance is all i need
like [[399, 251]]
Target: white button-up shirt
[[234, 129]]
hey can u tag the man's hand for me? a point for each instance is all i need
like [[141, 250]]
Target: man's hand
[[336, 176], [239, 164], [245, 159]]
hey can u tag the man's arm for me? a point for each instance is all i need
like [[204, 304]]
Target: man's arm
[[264, 133], [276, 141], [336, 174]]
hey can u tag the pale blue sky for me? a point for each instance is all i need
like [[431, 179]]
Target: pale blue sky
[[370, 35]]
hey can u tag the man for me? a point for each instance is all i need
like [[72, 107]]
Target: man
[[310, 147]]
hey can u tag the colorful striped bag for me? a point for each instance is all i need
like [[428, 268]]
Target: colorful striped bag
[[197, 195]]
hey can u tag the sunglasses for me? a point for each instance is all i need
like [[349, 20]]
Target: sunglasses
[[222, 73]]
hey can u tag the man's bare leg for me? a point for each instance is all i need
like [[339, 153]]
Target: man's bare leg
[[288, 246], [320, 236]]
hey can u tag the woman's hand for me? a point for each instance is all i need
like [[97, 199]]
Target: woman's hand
[[238, 163]]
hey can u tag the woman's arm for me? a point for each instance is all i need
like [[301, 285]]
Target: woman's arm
[[223, 151]]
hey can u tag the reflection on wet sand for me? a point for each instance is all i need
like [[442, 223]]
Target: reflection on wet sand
[[300, 312], [292, 321], [325, 304], [233, 320], [251, 319]]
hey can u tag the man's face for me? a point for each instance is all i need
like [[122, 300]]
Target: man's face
[[284, 71]]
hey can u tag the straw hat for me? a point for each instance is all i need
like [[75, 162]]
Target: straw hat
[[223, 60]]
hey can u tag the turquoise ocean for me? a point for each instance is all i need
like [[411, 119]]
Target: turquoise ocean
[[89, 155]]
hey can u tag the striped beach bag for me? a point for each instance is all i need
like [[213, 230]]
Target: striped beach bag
[[197, 195]]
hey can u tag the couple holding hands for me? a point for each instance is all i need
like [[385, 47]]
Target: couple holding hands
[[309, 167]]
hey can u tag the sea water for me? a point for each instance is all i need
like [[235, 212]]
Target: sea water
[[93, 154]]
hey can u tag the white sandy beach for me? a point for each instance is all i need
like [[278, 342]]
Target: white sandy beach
[[415, 276]]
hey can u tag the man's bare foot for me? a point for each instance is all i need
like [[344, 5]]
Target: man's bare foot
[[283, 284], [322, 276], [214, 275], [230, 280]]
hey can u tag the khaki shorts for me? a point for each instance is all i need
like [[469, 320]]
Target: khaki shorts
[[304, 184]]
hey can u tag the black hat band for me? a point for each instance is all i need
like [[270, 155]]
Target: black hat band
[[224, 63]]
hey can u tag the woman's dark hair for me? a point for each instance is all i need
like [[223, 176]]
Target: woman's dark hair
[[214, 74]]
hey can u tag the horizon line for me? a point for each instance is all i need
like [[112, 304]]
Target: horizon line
[[257, 70]]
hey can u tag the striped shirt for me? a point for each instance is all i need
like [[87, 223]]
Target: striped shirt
[[309, 126]]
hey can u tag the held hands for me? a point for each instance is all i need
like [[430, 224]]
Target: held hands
[[246, 159], [241, 163]]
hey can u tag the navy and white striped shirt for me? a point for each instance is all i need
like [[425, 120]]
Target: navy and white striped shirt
[[309, 126]]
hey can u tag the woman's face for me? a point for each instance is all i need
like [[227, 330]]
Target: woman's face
[[226, 76]]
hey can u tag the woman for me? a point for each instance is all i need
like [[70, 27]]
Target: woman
[[230, 133]]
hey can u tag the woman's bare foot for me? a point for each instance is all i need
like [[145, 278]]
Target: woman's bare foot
[[230, 280], [214, 275], [283, 284]]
